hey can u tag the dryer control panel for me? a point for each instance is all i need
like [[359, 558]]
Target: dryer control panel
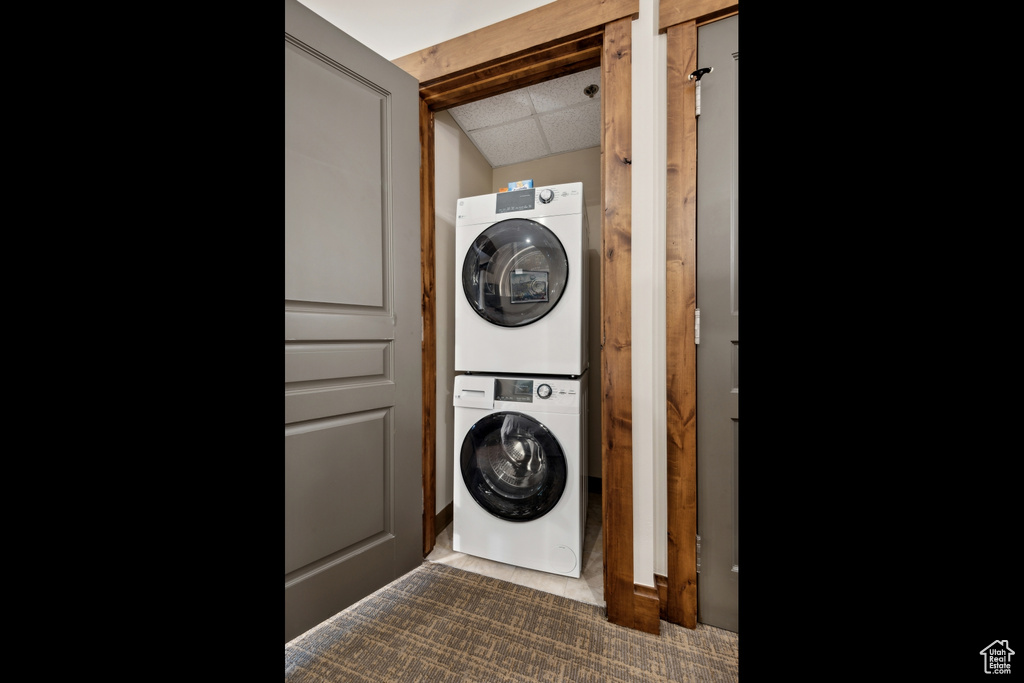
[[517, 200], [550, 200]]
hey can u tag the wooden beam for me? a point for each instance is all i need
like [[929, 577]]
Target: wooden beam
[[616, 328], [681, 302], [428, 311], [518, 34], [576, 53], [480, 90], [672, 12]]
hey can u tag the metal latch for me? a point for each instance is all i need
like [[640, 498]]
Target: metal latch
[[697, 74], [696, 326]]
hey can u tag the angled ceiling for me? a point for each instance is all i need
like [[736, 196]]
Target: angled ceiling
[[538, 121], [554, 117]]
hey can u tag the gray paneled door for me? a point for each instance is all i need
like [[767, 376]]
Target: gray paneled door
[[718, 384], [353, 414]]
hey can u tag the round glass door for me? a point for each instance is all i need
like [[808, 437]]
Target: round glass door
[[515, 272], [513, 466]]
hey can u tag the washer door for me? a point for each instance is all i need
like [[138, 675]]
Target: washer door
[[513, 466], [515, 272]]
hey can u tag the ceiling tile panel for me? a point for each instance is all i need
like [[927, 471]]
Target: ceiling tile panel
[[511, 143], [565, 92], [571, 129], [493, 111], [507, 128]]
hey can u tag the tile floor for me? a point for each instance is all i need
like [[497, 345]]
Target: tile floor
[[588, 588]]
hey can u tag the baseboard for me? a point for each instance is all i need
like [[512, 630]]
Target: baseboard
[[443, 518]]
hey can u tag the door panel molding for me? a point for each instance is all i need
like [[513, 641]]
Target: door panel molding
[[328, 509]]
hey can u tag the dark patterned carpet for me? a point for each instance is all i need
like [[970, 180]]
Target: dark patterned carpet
[[439, 623]]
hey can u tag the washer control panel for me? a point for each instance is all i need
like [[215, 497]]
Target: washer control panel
[[540, 393], [557, 391], [530, 390]]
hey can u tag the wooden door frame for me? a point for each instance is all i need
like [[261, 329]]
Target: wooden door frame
[[562, 37], [680, 20]]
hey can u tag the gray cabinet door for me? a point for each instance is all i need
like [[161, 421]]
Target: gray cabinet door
[[718, 384], [352, 463]]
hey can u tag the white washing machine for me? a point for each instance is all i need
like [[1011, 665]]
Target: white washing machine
[[521, 282], [521, 470]]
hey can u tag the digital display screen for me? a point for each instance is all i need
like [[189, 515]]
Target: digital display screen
[[519, 390], [516, 200]]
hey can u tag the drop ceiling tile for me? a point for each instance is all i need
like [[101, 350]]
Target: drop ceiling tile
[[565, 91], [572, 129], [511, 143], [493, 111]]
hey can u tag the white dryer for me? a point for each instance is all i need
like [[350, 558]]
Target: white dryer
[[521, 278], [521, 470]]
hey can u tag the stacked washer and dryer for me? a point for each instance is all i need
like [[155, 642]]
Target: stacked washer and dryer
[[520, 493]]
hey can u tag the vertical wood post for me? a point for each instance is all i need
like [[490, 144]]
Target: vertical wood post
[[681, 284], [427, 310], [616, 322]]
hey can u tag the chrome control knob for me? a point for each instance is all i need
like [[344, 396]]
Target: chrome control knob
[[544, 391], [546, 196]]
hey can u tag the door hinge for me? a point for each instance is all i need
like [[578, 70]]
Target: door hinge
[[696, 326], [698, 553]]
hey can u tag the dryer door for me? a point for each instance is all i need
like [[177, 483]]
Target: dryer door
[[513, 466], [515, 272]]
